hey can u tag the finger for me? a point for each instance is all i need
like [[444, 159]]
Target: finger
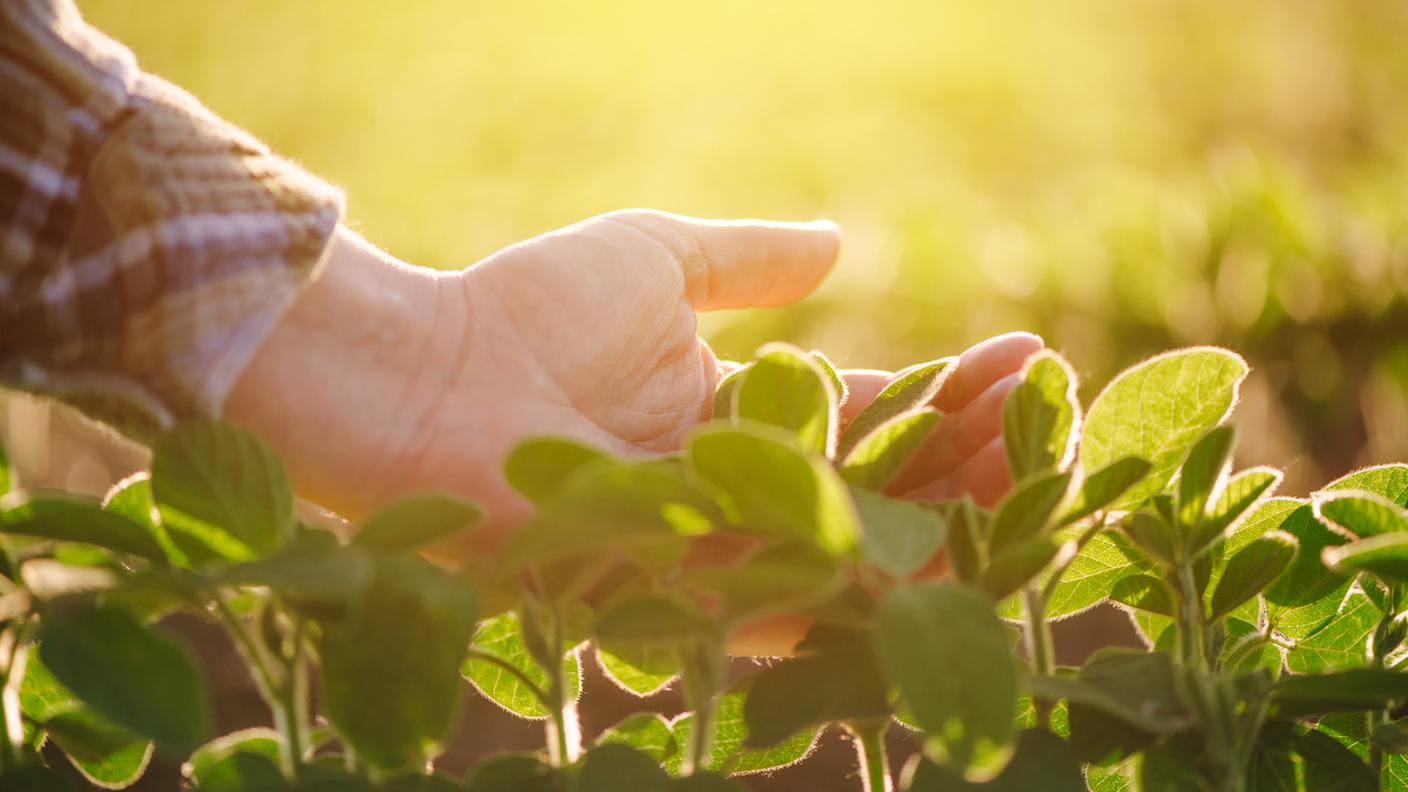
[[957, 438], [984, 476], [862, 386], [741, 263], [983, 364]]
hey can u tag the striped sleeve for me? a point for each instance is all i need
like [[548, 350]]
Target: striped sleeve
[[146, 246]]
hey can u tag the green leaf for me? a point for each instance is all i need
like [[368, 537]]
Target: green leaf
[[132, 675], [41, 695], [539, 467], [967, 533], [646, 732], [1249, 653], [502, 637], [1157, 410], [1359, 513], [827, 368], [1342, 643], [1154, 536], [312, 570], [107, 756], [771, 488], [395, 705], [1145, 592], [1243, 491], [1101, 488], [211, 765], [516, 773], [1026, 512], [132, 498], [1097, 568], [417, 520], [1308, 593], [1205, 466], [1330, 767], [639, 670], [968, 707], [1359, 690], [1014, 567], [900, 537], [777, 578], [726, 394], [1042, 761], [787, 389], [614, 767], [1251, 570], [1389, 481], [221, 492], [1384, 556], [878, 457], [1040, 416], [73, 518], [911, 391], [4, 470], [653, 620], [730, 731], [814, 690]]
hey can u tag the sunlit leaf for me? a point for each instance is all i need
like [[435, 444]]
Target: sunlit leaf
[[1100, 488], [1040, 417], [73, 518], [1026, 512], [1201, 472], [1384, 556], [108, 757], [502, 637], [416, 521], [787, 389], [730, 731], [1242, 491], [1359, 513], [647, 732], [1145, 592], [900, 537], [915, 389], [882, 454], [1342, 643], [1251, 570], [639, 670], [211, 763]]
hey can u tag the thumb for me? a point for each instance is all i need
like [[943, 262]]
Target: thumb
[[742, 263]]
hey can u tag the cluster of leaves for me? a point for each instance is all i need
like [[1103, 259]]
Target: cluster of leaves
[[1274, 626]]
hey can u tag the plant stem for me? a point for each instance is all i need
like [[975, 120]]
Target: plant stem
[[1191, 619], [11, 723], [705, 668], [294, 698], [561, 743], [1041, 651], [870, 751]]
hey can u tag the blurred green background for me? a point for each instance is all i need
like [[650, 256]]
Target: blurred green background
[[1122, 176]]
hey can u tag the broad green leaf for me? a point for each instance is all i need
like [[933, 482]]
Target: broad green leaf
[[72, 518], [614, 767], [516, 773], [1389, 481], [967, 533], [1157, 410], [730, 731], [210, 763], [882, 454], [1308, 593], [1359, 513], [640, 671], [1384, 556], [502, 637], [1251, 570], [1145, 592], [775, 579], [1040, 416], [1243, 491], [1026, 512], [1331, 767], [653, 620], [727, 391], [771, 488], [1152, 534], [1356, 690], [41, 695], [108, 757], [1205, 466], [1042, 761], [1251, 652], [968, 707], [394, 706], [1122, 776], [787, 389], [132, 675], [646, 732], [814, 690], [609, 505], [910, 391], [1342, 643], [1098, 567], [416, 521], [1014, 567], [312, 570], [900, 536], [132, 498], [838, 385], [222, 488], [538, 468], [1101, 488]]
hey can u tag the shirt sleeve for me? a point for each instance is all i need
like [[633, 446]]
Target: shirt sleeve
[[146, 246]]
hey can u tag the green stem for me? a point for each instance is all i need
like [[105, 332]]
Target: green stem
[[11, 723], [705, 668], [1041, 651], [294, 698], [561, 745], [1191, 620], [255, 655], [870, 752]]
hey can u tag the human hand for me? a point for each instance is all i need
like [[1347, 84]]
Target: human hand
[[384, 379]]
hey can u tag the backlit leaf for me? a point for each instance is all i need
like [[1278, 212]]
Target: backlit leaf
[[880, 455], [787, 389], [1026, 512], [108, 757], [1242, 491], [1040, 417], [912, 390], [730, 732], [639, 670], [900, 537], [646, 732], [1342, 643], [1206, 464], [1145, 592], [1359, 513], [1384, 556], [1101, 488], [1251, 570], [502, 637], [72, 518], [416, 521]]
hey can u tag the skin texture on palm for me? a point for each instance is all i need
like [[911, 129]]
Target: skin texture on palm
[[385, 379]]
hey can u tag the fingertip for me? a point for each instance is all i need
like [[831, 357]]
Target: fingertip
[[984, 363]]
